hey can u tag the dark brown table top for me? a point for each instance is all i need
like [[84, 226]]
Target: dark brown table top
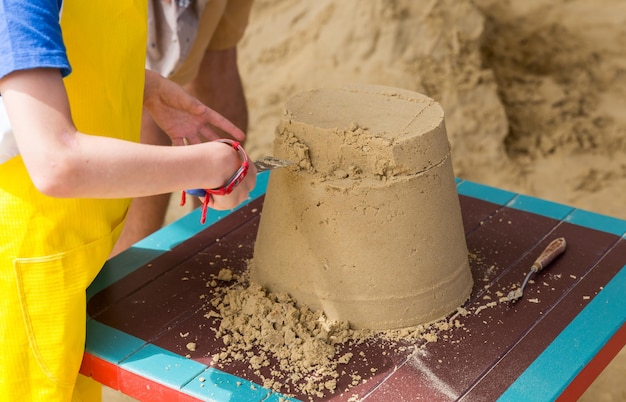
[[552, 343]]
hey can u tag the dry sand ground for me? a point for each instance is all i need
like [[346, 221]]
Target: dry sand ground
[[534, 91]]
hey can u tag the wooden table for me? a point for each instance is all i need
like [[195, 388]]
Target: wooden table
[[551, 344]]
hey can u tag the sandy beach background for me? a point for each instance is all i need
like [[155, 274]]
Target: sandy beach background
[[534, 91]]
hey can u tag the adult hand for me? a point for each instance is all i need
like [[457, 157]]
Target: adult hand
[[184, 118]]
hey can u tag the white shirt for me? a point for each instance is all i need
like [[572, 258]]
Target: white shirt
[[8, 147]]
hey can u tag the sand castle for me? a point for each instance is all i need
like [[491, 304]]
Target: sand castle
[[366, 225]]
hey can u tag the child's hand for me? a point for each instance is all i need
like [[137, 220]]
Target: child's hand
[[239, 194], [235, 190]]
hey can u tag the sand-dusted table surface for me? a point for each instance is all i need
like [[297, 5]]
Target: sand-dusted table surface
[[150, 302]]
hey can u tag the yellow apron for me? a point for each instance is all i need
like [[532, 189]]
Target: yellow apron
[[50, 248]]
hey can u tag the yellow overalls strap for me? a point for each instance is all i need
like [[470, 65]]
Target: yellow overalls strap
[[51, 249]]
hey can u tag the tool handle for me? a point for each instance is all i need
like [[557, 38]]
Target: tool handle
[[553, 250]]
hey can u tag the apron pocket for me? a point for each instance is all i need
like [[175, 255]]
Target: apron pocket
[[53, 303]]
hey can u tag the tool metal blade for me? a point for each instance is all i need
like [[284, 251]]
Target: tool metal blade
[[269, 162]]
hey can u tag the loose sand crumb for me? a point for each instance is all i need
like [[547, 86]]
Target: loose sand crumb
[[225, 275]]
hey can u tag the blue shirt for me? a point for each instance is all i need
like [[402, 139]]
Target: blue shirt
[[30, 36]]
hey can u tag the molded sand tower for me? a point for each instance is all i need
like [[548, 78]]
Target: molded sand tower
[[366, 225]]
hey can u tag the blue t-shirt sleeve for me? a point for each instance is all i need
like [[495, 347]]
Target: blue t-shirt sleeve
[[30, 36]]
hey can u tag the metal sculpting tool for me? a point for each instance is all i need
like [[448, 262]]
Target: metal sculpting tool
[[553, 250]]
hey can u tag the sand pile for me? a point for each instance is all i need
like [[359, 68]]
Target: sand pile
[[259, 327], [295, 350]]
